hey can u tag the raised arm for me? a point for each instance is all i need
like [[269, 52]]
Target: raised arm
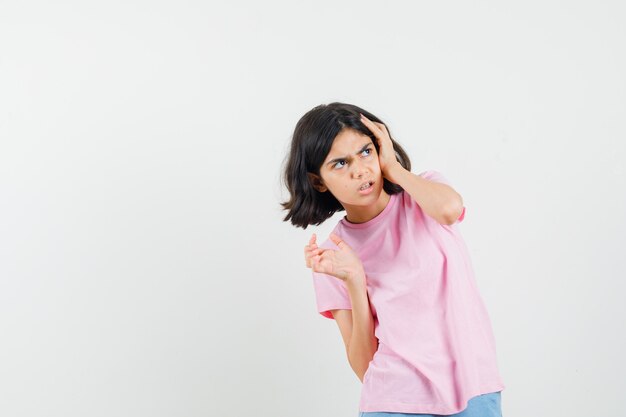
[[356, 325], [438, 200]]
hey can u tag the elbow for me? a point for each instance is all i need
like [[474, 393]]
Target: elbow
[[453, 211], [359, 367], [360, 373], [360, 362], [361, 377]]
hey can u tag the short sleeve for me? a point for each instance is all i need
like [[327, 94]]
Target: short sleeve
[[330, 293], [439, 177]]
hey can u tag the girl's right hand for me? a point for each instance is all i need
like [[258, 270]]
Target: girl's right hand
[[343, 263]]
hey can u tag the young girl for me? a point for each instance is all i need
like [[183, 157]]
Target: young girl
[[395, 273]]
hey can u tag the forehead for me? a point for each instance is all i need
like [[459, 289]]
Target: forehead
[[347, 142]]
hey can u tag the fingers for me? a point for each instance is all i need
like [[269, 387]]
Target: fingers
[[316, 263], [315, 266], [377, 129], [310, 250], [317, 253], [312, 244], [319, 262], [308, 256], [370, 124], [337, 240], [315, 258], [313, 254]]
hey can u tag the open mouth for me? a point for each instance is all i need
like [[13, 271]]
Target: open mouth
[[366, 186]]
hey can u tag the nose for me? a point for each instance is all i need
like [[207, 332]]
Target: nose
[[358, 169]]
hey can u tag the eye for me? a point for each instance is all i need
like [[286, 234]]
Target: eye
[[369, 150], [335, 166]]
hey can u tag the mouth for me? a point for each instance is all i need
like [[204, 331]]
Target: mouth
[[366, 187]]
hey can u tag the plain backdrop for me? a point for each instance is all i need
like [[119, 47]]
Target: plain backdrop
[[145, 268]]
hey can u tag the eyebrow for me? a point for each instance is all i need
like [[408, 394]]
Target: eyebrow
[[335, 160]]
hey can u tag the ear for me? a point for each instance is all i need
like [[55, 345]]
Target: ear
[[317, 182]]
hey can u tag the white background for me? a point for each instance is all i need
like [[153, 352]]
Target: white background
[[145, 269]]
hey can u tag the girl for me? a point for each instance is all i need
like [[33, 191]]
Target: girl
[[395, 273]]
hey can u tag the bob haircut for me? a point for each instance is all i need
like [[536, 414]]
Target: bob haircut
[[310, 144]]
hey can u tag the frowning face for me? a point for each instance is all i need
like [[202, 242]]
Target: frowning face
[[351, 173]]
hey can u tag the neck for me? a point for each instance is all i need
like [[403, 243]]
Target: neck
[[362, 214]]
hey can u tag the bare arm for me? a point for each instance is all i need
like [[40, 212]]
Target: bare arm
[[356, 324], [362, 343]]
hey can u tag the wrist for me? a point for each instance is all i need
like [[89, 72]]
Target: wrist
[[356, 279], [395, 172]]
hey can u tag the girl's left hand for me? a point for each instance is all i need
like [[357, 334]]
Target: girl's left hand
[[386, 154]]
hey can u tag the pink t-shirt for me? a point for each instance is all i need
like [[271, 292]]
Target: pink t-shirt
[[436, 346]]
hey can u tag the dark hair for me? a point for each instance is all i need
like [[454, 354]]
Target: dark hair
[[310, 144]]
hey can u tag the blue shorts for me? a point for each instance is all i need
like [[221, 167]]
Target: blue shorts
[[484, 405]]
